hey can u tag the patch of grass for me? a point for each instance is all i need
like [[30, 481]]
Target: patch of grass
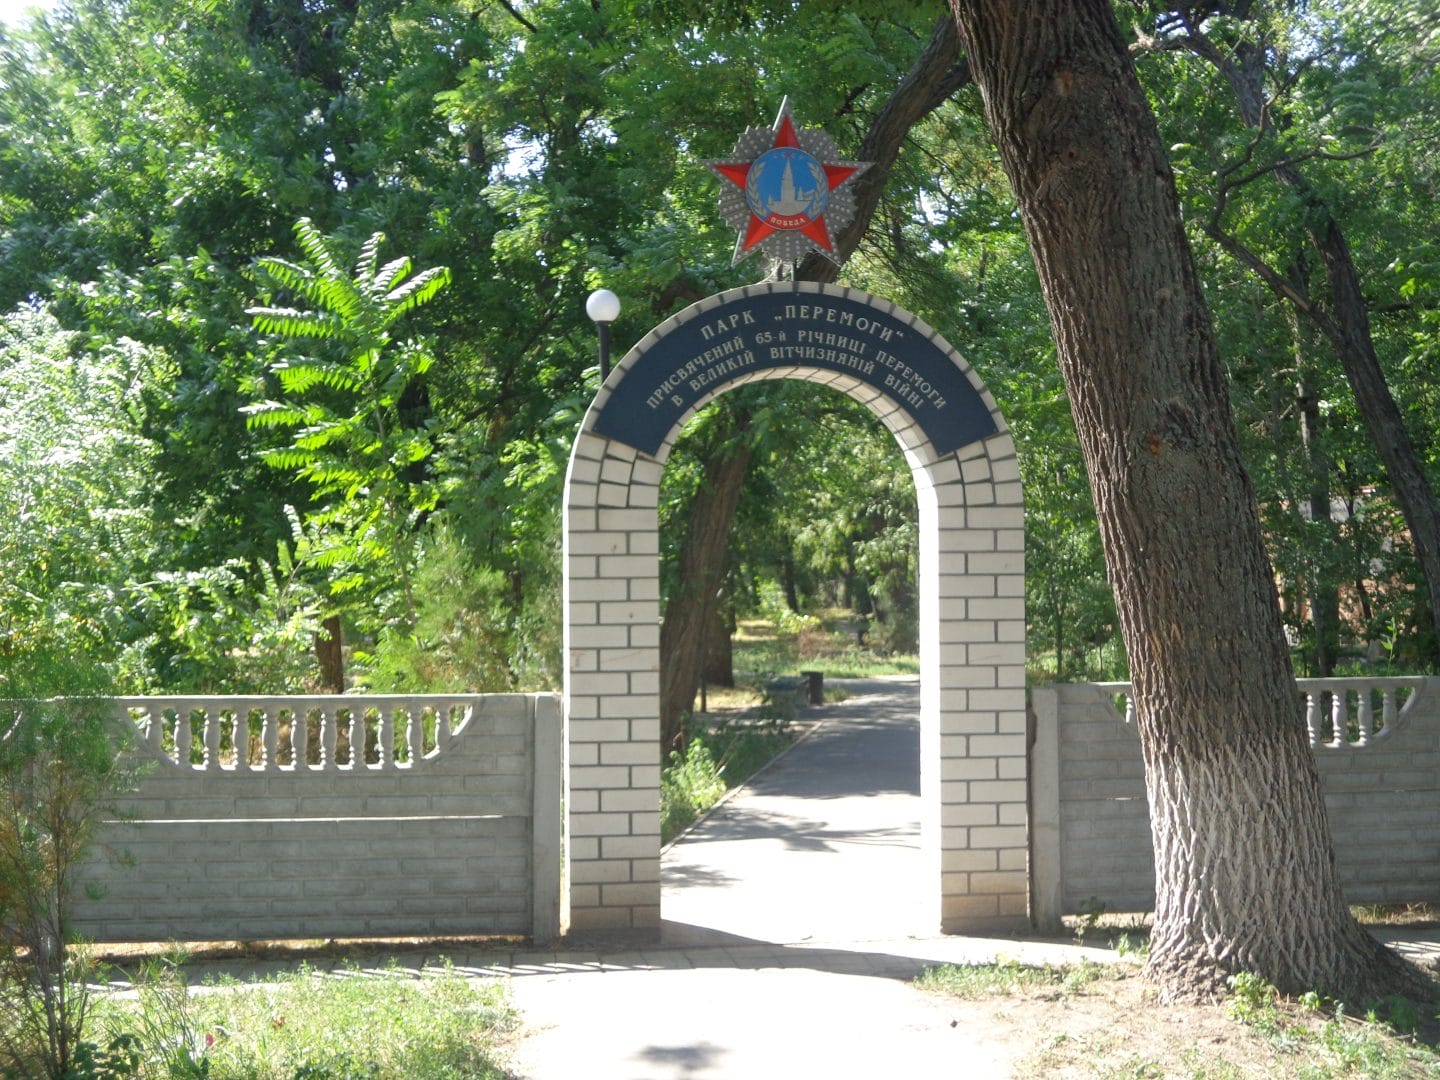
[[385, 1025], [689, 786], [784, 655], [1381, 1046], [1202, 1065], [1134, 1067], [1005, 976], [742, 749], [1125, 932], [719, 755], [1104, 1023], [1416, 915], [828, 643]]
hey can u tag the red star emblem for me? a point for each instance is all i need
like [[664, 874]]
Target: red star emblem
[[738, 173], [782, 184]]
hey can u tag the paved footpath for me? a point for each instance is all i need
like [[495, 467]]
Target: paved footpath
[[793, 925]]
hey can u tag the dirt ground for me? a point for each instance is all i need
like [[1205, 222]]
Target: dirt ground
[[1115, 1027]]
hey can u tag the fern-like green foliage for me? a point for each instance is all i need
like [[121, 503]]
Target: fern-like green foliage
[[338, 379]]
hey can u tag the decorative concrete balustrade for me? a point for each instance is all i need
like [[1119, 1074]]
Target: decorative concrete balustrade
[[1340, 714], [334, 816], [1377, 749], [392, 730]]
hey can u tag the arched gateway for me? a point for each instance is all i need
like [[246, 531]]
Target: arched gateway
[[972, 589]]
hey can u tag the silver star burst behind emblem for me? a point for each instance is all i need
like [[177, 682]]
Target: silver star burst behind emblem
[[786, 190]]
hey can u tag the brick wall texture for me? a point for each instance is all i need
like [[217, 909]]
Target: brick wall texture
[[972, 645]]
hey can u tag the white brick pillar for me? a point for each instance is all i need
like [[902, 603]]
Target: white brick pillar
[[612, 687], [972, 613]]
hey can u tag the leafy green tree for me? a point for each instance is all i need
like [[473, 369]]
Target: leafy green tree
[[344, 408], [74, 525], [1318, 105], [155, 148], [463, 640], [243, 627]]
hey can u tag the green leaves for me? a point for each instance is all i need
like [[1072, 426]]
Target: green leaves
[[292, 323], [349, 439]]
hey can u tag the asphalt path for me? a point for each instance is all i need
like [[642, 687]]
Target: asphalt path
[[824, 845]]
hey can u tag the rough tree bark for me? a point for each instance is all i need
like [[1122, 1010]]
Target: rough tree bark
[[936, 74], [1245, 876], [701, 574], [329, 653]]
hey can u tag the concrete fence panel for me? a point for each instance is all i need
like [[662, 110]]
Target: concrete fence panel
[[1377, 747], [333, 816]]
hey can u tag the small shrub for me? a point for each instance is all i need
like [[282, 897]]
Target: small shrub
[[1091, 911], [776, 611], [1252, 1001], [1137, 947], [689, 786], [119, 1060], [59, 769], [165, 1025], [1398, 1012]]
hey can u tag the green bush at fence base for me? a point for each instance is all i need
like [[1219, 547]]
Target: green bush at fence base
[[718, 756]]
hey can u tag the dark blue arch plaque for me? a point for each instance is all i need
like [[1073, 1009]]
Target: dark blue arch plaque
[[758, 328]]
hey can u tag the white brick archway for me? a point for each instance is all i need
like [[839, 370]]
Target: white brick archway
[[972, 589]]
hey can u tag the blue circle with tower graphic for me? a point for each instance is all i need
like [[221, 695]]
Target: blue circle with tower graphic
[[787, 188]]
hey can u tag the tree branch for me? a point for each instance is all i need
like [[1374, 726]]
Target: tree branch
[[848, 105], [936, 74], [1213, 228], [508, 6]]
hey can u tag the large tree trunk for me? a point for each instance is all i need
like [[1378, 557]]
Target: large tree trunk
[[719, 648], [701, 576], [330, 655], [1245, 876]]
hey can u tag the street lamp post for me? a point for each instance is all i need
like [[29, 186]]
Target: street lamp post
[[603, 307]]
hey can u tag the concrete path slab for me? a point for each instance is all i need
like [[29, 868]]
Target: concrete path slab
[[770, 1022]]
